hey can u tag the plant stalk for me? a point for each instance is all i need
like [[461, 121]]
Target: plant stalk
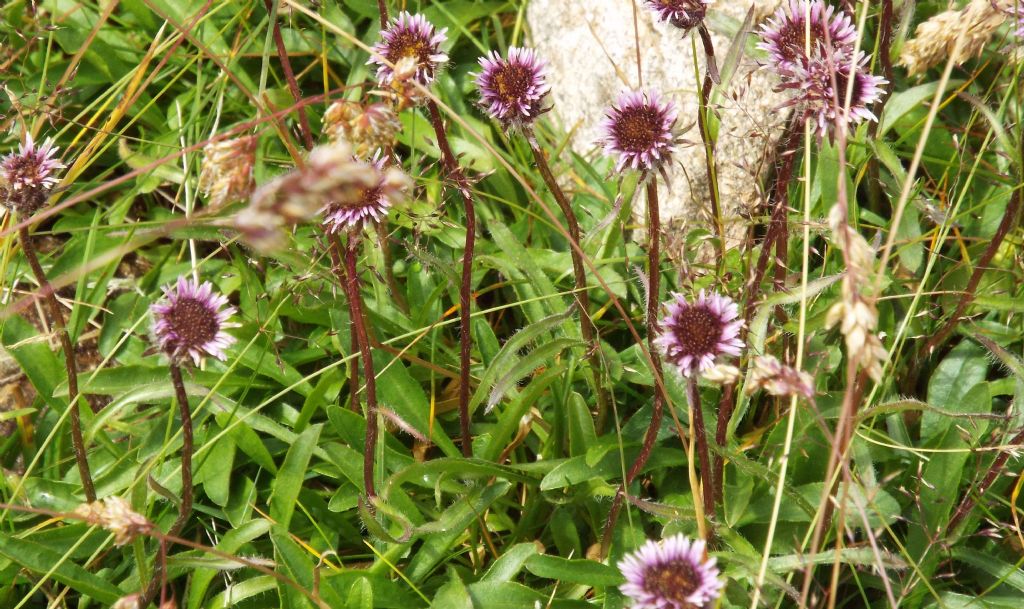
[[581, 295], [451, 165], [70, 364], [701, 434], [355, 304], [710, 76], [185, 509], [658, 407]]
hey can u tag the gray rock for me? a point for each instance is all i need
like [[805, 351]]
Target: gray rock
[[592, 48]]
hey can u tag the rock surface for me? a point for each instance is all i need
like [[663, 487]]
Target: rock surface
[[592, 50]]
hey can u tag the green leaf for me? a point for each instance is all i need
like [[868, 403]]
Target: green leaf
[[585, 572], [230, 543], [42, 560], [963, 368], [292, 474]]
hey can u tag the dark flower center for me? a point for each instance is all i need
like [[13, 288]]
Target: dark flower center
[[637, 129], [699, 331], [673, 582], [688, 13], [511, 82], [792, 42], [193, 323], [24, 170], [407, 43]]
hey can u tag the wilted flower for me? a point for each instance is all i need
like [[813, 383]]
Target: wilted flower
[[28, 176], [511, 90], [693, 335], [367, 128], [954, 35], [191, 321], [226, 174], [821, 92], [683, 14], [639, 131], [722, 374], [370, 202], [776, 378], [783, 36], [115, 515], [330, 176], [409, 37], [673, 574]]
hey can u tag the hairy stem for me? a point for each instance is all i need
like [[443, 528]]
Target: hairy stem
[[587, 328], [70, 364], [185, 509], [451, 165], [289, 75], [355, 306], [382, 6], [658, 408], [700, 433], [159, 579]]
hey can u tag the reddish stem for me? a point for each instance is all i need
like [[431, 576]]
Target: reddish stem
[[701, 435], [70, 364], [382, 6], [355, 304], [710, 76], [451, 165], [587, 328], [289, 75], [653, 291]]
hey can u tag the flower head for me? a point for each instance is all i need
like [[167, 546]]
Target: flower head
[[226, 175], [117, 516], [694, 334], [672, 574], [512, 89], [821, 92], [28, 175], [779, 379], [683, 14], [409, 37], [366, 128], [191, 321], [638, 128], [784, 35], [370, 202]]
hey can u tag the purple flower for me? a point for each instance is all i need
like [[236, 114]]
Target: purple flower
[[191, 321], [28, 176], [820, 92], [694, 334], [410, 37], [387, 186], [683, 14], [672, 574], [783, 35], [639, 130], [511, 90]]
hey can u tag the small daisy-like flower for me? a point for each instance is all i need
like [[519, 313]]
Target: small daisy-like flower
[[822, 101], [28, 175], [409, 37], [783, 35], [673, 574], [369, 203], [511, 90], [639, 129], [693, 335], [191, 321], [683, 14]]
